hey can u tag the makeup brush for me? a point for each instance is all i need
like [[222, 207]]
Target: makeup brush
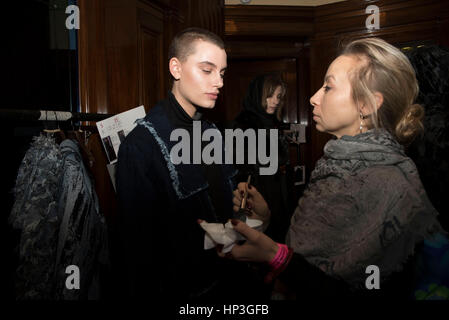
[[243, 211]]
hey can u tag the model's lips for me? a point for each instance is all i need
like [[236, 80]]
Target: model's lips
[[212, 96], [315, 117]]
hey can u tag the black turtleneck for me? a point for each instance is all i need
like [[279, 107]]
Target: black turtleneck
[[212, 173]]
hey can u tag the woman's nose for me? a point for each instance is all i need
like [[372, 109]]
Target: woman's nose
[[314, 99]]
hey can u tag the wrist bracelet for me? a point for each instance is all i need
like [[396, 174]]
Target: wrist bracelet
[[279, 262], [280, 256]]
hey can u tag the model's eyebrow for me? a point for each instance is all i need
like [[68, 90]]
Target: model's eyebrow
[[328, 78], [212, 65]]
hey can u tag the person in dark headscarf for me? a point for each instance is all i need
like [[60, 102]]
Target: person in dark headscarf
[[262, 109]]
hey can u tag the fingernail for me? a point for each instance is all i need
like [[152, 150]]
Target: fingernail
[[234, 222]]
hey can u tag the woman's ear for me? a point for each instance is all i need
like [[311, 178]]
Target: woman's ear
[[379, 99], [174, 66], [367, 109]]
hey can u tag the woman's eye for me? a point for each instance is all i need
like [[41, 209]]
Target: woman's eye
[[326, 88], [222, 75], [207, 71]]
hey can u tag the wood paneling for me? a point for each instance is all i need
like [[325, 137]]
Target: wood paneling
[[268, 21], [92, 56], [153, 78], [123, 48], [257, 47], [207, 14]]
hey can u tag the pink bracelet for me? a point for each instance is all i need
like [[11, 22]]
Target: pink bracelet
[[280, 256], [279, 262]]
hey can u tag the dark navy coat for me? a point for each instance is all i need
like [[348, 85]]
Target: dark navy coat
[[161, 250]]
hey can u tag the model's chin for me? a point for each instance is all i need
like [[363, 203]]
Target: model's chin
[[207, 104]]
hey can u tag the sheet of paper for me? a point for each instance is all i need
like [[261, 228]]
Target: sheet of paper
[[113, 130]]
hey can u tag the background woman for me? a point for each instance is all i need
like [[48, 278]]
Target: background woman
[[262, 109]]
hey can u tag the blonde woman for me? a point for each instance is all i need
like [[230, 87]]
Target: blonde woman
[[365, 209]]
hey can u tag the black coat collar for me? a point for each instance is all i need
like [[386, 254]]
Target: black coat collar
[[187, 179]]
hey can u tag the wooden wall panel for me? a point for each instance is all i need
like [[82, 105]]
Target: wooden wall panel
[[92, 57], [121, 55], [152, 66], [268, 21], [207, 14], [123, 48]]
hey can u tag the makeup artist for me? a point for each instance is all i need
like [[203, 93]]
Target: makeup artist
[[365, 204]]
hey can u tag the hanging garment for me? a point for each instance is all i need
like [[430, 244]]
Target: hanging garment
[[56, 210], [82, 240], [35, 214]]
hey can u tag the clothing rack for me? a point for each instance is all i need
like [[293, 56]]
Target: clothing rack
[[50, 115]]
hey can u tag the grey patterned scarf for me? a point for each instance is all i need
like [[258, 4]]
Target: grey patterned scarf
[[364, 205]]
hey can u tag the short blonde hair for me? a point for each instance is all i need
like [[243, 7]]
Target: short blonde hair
[[385, 69], [270, 83]]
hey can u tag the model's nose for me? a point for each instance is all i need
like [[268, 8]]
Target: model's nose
[[219, 81]]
